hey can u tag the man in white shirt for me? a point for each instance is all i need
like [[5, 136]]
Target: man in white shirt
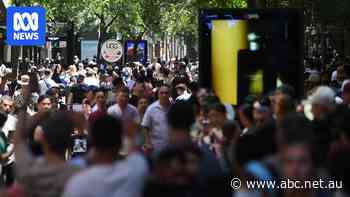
[[47, 82], [154, 121], [126, 112], [122, 109], [8, 106], [109, 176]]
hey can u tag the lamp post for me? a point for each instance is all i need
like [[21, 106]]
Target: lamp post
[[18, 64]]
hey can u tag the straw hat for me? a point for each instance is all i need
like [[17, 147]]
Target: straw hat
[[24, 80]]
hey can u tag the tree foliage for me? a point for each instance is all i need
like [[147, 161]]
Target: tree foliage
[[334, 10]]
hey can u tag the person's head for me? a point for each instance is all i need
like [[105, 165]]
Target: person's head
[[294, 128], [55, 133], [100, 98], [7, 104], [90, 94], [72, 69], [180, 89], [261, 112], [294, 136], [180, 118], [201, 95], [105, 133], [78, 79], [58, 69], [123, 97], [178, 165], [164, 94], [286, 90], [283, 104], [44, 103], [341, 73], [47, 73], [217, 115], [322, 101], [231, 131], [80, 66], [338, 165], [245, 115], [142, 104], [346, 93], [24, 82], [297, 161], [90, 72], [118, 83], [139, 88]]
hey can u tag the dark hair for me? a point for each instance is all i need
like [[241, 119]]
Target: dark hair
[[247, 111], [219, 107], [33, 82], [288, 103], [178, 151], [143, 97], [193, 86], [295, 128], [265, 101], [3, 118], [165, 85], [101, 89], [339, 121], [230, 129], [287, 89], [43, 97], [106, 132], [181, 115], [56, 69], [92, 88], [262, 139], [57, 130], [117, 81], [36, 120], [124, 90], [338, 164]]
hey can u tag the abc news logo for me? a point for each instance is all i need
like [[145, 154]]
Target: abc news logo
[[25, 26]]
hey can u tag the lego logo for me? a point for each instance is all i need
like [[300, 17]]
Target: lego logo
[[31, 19]]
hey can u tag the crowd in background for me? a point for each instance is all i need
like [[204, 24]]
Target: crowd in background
[[91, 129]]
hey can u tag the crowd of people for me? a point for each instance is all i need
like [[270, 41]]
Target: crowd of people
[[151, 130]]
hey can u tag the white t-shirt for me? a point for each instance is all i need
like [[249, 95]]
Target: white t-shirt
[[123, 178], [92, 81], [46, 84], [334, 75], [183, 97], [10, 124]]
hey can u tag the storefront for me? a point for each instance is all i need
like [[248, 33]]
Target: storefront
[[5, 50]]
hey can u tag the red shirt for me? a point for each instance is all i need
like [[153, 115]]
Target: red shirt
[[97, 114]]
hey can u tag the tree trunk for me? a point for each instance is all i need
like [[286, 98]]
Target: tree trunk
[[101, 39], [70, 47]]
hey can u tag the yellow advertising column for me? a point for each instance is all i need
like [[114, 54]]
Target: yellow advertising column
[[227, 38]]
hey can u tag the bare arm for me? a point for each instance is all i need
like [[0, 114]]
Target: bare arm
[[69, 100], [146, 135], [5, 156], [24, 157]]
